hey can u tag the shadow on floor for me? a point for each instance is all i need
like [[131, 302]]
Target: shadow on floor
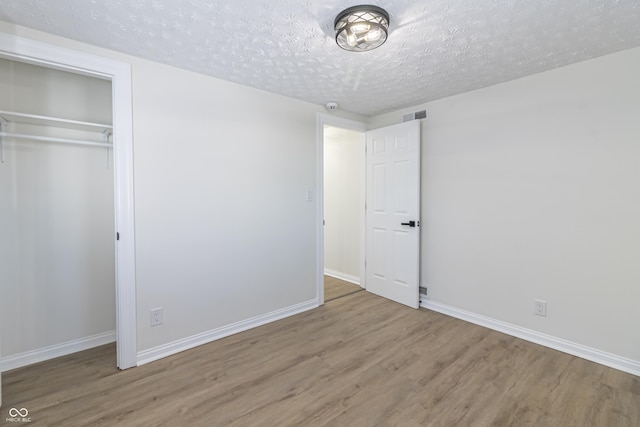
[[336, 288]]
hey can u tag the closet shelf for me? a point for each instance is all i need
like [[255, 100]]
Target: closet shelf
[[34, 119]]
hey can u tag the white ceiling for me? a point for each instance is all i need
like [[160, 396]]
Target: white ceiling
[[436, 48]]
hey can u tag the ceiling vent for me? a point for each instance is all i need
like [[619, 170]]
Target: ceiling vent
[[418, 115]]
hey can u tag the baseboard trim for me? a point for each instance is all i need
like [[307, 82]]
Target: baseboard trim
[[342, 276], [183, 344], [57, 350], [607, 359]]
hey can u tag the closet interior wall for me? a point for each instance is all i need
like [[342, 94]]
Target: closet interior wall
[[57, 254]]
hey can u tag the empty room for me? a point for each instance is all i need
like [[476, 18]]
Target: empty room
[[305, 213]]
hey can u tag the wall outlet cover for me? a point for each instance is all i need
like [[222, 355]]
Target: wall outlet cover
[[156, 316], [540, 307]]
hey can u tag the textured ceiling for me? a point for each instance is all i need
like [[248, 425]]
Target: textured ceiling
[[436, 48]]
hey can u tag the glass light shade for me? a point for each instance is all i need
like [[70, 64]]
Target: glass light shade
[[361, 28]]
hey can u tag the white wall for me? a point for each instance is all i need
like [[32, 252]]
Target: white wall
[[56, 215], [530, 189], [343, 180], [223, 231]]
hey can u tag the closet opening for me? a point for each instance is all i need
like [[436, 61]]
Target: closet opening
[[57, 213], [119, 159]]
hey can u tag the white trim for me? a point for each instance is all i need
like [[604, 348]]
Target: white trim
[[363, 211], [323, 119], [183, 344], [46, 55], [575, 349], [57, 350], [342, 276]]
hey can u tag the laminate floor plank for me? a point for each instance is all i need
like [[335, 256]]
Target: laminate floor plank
[[359, 360], [335, 288]]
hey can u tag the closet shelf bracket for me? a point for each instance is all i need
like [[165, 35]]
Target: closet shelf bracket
[[106, 134]]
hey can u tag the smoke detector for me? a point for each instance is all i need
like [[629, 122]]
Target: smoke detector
[[331, 106]]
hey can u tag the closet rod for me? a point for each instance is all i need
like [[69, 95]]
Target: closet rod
[[52, 139]]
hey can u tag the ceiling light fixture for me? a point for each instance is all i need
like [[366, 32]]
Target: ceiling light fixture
[[361, 28]]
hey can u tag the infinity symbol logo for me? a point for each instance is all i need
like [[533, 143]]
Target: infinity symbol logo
[[22, 412]]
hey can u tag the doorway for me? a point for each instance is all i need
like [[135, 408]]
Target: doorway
[[37, 53], [345, 237], [389, 259], [343, 196]]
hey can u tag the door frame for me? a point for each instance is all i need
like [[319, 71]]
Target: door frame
[[119, 73], [330, 120]]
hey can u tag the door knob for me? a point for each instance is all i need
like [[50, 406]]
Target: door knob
[[410, 223]]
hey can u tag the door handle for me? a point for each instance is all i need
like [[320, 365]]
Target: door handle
[[410, 223]]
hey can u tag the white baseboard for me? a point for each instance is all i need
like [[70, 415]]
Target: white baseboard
[[57, 350], [575, 349], [342, 276], [183, 344]]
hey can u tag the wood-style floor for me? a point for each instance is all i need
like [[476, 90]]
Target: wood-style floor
[[360, 360], [336, 288]]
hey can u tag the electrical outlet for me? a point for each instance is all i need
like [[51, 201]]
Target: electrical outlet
[[540, 307], [156, 316]]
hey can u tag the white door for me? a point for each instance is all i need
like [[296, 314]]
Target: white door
[[392, 253]]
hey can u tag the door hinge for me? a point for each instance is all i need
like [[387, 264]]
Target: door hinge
[[117, 236]]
